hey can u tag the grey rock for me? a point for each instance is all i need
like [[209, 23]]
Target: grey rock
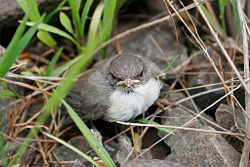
[[156, 6], [205, 75], [159, 151], [197, 148], [125, 147], [66, 154], [156, 44], [10, 11], [153, 163], [225, 117], [175, 97]]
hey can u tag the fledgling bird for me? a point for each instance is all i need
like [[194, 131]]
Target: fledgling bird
[[116, 89]]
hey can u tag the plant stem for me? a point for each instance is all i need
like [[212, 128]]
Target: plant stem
[[246, 149]]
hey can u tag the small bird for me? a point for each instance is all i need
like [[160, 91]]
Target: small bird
[[116, 89]]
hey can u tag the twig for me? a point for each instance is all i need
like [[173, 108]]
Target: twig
[[146, 25], [60, 162], [36, 78], [28, 97], [41, 148], [199, 41], [182, 128], [207, 120], [222, 48], [204, 86], [64, 162], [134, 142], [25, 85], [246, 149], [33, 140]]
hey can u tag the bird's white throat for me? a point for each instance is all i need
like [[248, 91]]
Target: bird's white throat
[[125, 106]]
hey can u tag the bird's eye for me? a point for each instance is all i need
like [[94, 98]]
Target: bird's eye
[[141, 74], [113, 77]]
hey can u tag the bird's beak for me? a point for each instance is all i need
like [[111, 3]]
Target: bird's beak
[[127, 82]]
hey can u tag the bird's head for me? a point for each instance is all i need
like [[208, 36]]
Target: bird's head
[[126, 72]]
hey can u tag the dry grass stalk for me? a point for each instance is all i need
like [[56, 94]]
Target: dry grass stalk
[[246, 149], [215, 35], [26, 86], [146, 25], [183, 128]]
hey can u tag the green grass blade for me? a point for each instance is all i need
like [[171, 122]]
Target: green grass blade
[[145, 121], [23, 4], [3, 154], [119, 4], [53, 62], [27, 73], [12, 51], [52, 13], [54, 30], [59, 70], [46, 38], [93, 28], [72, 148], [107, 22], [8, 58], [34, 14], [170, 65], [100, 151], [53, 102], [6, 94], [22, 43], [19, 46], [4, 151], [139, 145], [5, 85], [78, 4], [65, 85], [108, 17], [84, 15], [213, 22], [65, 21], [222, 5], [75, 13], [236, 20]]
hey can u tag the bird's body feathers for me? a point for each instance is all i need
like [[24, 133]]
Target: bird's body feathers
[[97, 94]]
